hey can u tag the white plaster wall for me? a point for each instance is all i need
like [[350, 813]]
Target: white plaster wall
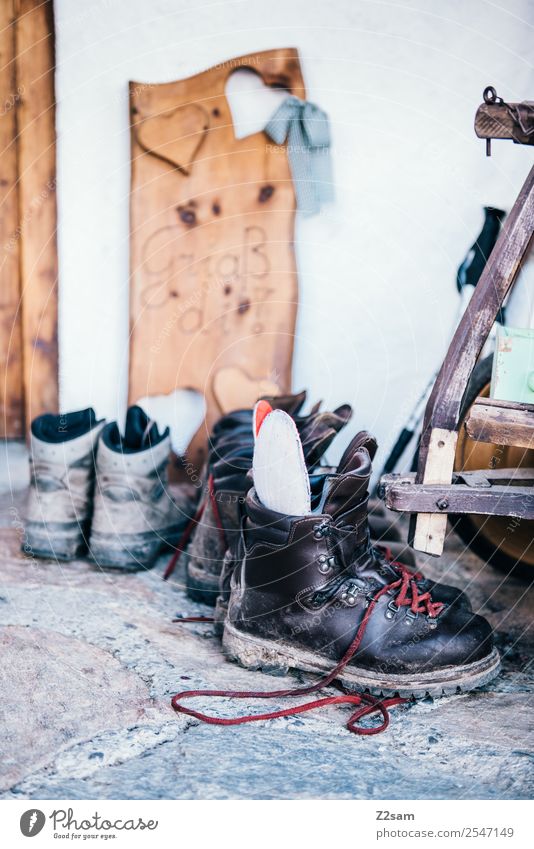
[[401, 81]]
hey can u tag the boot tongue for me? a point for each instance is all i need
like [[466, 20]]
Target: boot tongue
[[318, 430], [345, 501], [140, 432], [350, 456], [348, 487], [291, 404], [64, 427]]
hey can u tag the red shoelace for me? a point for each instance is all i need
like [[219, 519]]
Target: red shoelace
[[366, 703], [418, 602], [210, 498]]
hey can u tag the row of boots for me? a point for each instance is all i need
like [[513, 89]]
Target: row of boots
[[96, 491], [315, 590]]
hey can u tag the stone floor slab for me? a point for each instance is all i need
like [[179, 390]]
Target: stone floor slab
[[92, 658]]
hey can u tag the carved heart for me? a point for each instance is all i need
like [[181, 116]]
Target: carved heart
[[234, 389], [175, 136], [251, 102]]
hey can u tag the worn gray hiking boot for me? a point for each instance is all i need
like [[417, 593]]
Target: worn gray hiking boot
[[62, 473], [135, 516]]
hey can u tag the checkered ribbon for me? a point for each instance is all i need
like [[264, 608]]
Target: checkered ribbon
[[307, 131]]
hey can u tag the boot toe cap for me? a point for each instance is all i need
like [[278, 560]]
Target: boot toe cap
[[464, 638], [450, 595]]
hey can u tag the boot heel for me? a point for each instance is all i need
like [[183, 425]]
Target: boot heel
[[129, 553], [200, 585], [219, 616]]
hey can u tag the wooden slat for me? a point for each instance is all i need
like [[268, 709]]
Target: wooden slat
[[431, 529], [482, 478], [37, 203], [513, 406], [520, 474], [501, 425], [513, 501], [427, 532], [11, 391]]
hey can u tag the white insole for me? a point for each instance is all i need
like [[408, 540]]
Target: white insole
[[280, 474]]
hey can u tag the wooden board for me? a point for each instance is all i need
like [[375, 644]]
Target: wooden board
[[513, 501], [11, 391], [502, 423], [500, 121], [431, 528], [213, 275], [477, 479], [35, 65]]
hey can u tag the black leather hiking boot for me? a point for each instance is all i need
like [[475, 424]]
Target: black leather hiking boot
[[386, 555], [312, 593], [231, 446], [228, 480]]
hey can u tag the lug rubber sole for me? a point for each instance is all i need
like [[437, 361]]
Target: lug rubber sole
[[131, 552], [54, 541], [219, 616], [201, 585], [258, 653]]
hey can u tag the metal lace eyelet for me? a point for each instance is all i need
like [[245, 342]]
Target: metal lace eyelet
[[326, 564], [320, 531], [410, 617], [391, 610], [432, 623], [350, 594]]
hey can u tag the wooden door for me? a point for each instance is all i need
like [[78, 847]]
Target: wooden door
[[28, 220]]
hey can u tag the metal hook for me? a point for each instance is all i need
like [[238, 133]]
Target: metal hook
[[490, 95]]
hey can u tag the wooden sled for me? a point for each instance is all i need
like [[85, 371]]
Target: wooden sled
[[436, 490]]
